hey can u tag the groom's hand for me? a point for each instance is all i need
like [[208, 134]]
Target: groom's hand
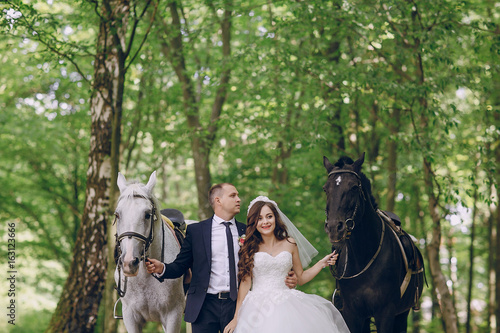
[[154, 266], [291, 280]]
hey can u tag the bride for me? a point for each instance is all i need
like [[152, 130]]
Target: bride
[[265, 303]]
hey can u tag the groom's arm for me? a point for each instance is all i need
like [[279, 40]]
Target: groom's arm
[[178, 267]]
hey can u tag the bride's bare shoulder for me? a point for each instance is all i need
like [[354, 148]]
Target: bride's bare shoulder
[[289, 244]]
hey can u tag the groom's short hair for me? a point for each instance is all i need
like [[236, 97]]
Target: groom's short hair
[[215, 191]]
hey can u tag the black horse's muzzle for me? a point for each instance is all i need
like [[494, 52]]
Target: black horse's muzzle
[[340, 231]]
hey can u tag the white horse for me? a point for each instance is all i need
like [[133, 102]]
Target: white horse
[[141, 233]]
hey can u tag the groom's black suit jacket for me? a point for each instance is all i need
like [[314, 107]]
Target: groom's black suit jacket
[[196, 253]]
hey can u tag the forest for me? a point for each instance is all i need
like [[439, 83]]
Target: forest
[[254, 93]]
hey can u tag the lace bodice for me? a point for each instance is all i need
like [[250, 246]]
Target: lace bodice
[[270, 306], [269, 272]]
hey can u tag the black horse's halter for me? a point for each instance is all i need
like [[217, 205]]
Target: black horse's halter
[[146, 241], [350, 223], [349, 231]]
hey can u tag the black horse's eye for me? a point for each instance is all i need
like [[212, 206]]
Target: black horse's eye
[[148, 216]]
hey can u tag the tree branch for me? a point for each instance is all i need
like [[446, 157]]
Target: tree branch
[[145, 35], [226, 73]]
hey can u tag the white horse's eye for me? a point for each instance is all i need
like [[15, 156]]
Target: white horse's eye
[[148, 216], [117, 215]]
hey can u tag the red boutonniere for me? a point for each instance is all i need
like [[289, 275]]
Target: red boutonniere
[[241, 240]]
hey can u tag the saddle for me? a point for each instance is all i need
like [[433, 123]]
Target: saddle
[[413, 256], [175, 219]]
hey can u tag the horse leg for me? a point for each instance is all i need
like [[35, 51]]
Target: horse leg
[[172, 323], [133, 324], [385, 321], [366, 326], [354, 323], [171, 320], [401, 322], [133, 327]]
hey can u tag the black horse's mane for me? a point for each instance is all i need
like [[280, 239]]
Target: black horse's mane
[[365, 182]]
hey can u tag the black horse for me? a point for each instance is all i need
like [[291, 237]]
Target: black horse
[[375, 278]]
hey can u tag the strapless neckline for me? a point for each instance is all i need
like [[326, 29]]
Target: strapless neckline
[[284, 251], [270, 306]]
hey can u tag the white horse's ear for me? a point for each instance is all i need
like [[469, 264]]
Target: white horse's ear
[[151, 183], [121, 182]]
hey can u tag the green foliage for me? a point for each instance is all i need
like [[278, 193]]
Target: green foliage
[[308, 79], [32, 322]]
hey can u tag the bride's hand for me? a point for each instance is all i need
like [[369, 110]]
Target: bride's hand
[[329, 259], [231, 326]]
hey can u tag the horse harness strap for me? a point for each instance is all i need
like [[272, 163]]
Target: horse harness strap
[[145, 240], [131, 234], [350, 227], [409, 270], [371, 260], [343, 171]]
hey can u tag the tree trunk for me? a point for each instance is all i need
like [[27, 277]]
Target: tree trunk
[[417, 226], [497, 224], [392, 158], [284, 143], [446, 302], [471, 263], [491, 262], [452, 270], [448, 310], [373, 144], [202, 136], [78, 307]]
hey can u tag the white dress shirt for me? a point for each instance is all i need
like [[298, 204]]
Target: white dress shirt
[[219, 275]]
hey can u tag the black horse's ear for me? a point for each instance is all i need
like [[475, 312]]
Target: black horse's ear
[[327, 164], [359, 162]]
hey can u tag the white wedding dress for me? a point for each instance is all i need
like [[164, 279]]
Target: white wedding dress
[[270, 306]]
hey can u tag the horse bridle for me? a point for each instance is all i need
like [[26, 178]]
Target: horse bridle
[[349, 227], [349, 231], [132, 234], [146, 241]]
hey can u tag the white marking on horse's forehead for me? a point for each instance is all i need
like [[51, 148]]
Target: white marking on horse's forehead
[[338, 180]]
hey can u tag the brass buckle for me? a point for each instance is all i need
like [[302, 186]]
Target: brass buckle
[[222, 294]]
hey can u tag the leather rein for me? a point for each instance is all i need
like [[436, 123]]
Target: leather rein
[[350, 225]]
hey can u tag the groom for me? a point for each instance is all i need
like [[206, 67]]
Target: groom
[[210, 303]]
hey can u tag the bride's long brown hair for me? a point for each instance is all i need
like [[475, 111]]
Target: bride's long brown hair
[[254, 238]]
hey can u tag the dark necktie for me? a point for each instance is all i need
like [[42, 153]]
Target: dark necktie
[[233, 293]]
